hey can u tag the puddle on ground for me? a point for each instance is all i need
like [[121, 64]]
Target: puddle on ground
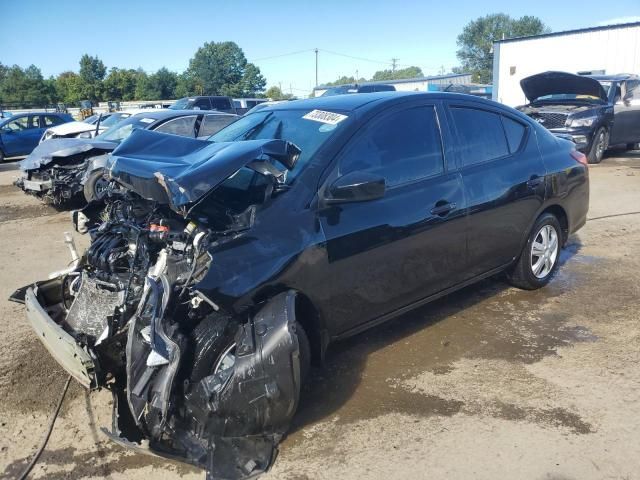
[[488, 320]]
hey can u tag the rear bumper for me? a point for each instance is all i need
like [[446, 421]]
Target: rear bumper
[[63, 347]]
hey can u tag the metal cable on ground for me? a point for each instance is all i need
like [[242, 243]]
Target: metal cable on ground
[[613, 215], [52, 422]]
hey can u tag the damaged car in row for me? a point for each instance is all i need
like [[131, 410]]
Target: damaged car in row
[[219, 271], [62, 168], [595, 112]]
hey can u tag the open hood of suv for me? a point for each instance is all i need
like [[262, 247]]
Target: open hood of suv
[[557, 83], [179, 170]]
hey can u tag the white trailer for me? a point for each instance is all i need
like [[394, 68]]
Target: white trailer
[[607, 50]]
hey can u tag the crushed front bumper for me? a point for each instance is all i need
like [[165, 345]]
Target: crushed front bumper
[[37, 186], [63, 347]]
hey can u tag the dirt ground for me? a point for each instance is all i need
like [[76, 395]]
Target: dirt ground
[[488, 383]]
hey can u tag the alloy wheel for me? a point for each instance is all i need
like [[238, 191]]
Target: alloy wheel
[[544, 251]]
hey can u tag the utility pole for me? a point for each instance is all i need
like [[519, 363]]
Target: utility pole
[[394, 61], [316, 50]]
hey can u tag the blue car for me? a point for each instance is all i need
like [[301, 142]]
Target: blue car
[[20, 133]]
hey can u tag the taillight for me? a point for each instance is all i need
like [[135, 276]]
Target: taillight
[[580, 157]]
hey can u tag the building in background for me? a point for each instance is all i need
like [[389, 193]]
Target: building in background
[[422, 84], [607, 50]]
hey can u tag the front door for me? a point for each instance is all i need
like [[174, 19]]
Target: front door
[[21, 135], [626, 123], [387, 253]]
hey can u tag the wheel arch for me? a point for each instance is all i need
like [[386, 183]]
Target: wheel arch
[[560, 213]]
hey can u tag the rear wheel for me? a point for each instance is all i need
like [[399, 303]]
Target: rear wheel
[[539, 258], [598, 146], [95, 186], [633, 146], [1, 156]]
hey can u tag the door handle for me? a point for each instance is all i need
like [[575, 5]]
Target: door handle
[[442, 208], [534, 181]]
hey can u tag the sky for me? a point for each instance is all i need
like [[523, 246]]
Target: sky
[[279, 36]]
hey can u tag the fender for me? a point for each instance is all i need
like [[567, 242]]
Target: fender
[[93, 164], [239, 416]]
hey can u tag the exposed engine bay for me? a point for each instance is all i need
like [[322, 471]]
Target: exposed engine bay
[[189, 380]]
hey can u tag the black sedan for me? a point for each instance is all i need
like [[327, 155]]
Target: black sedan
[[220, 270], [58, 169]]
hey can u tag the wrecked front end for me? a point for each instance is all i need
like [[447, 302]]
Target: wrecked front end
[[56, 170], [190, 379]]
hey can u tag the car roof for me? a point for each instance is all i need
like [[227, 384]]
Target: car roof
[[364, 101], [165, 113]]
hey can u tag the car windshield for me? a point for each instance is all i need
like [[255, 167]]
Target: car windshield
[[91, 120], [308, 130], [111, 120], [182, 104], [123, 129]]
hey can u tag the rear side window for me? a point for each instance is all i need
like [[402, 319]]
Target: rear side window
[[480, 135], [183, 126], [514, 131], [402, 147], [51, 120], [214, 123], [221, 104]]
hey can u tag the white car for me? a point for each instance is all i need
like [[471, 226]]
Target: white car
[[88, 128]]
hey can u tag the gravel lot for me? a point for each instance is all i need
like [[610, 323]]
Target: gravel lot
[[487, 383]]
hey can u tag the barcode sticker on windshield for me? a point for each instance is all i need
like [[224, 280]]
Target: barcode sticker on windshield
[[325, 117]]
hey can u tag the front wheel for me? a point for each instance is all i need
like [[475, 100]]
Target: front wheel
[[598, 146], [539, 258], [95, 186]]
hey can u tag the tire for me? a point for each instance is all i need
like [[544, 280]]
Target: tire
[[215, 336], [1, 156], [527, 273], [93, 186], [632, 146], [598, 146]]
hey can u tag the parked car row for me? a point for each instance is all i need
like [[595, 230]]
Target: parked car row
[[220, 270], [61, 168]]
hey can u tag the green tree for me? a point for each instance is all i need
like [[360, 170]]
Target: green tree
[[476, 40], [274, 93], [69, 87], [23, 88], [92, 73], [164, 83], [120, 84], [222, 69], [409, 72]]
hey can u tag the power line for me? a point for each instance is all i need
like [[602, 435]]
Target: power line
[[282, 55]]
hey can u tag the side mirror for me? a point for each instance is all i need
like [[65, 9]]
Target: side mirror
[[356, 187]]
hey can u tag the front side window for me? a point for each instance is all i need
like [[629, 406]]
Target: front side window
[[18, 125], [183, 126], [201, 104], [480, 135], [401, 147], [34, 121], [214, 123]]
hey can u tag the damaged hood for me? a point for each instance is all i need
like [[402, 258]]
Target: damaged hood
[[47, 151], [179, 170], [557, 83]]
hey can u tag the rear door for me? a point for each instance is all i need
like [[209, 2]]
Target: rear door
[[503, 177], [387, 253]]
